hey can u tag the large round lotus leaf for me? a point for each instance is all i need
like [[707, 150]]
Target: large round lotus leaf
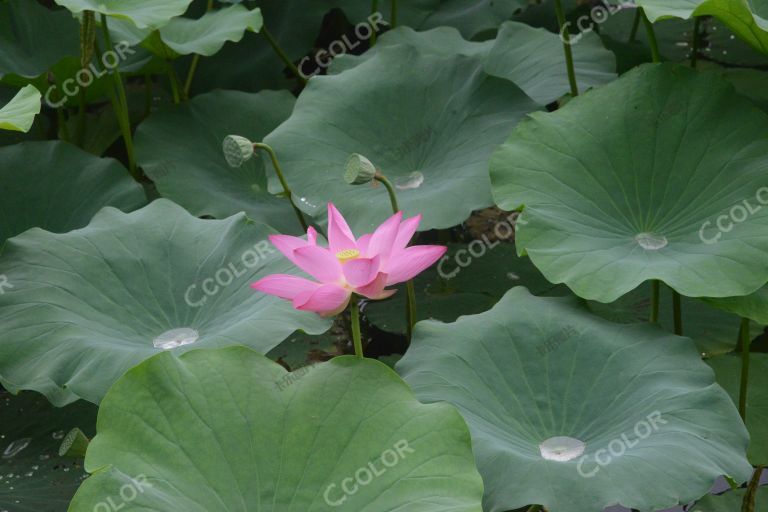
[[473, 18], [58, 187], [33, 477], [728, 373], [19, 114], [533, 58], [731, 501], [80, 308], [230, 430], [206, 35], [180, 148], [33, 38], [429, 122], [576, 413], [143, 13], [715, 332], [614, 197], [467, 280]]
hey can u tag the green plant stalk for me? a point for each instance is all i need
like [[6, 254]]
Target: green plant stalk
[[87, 42], [750, 497], [635, 26], [677, 313], [191, 74], [283, 183], [147, 94], [374, 10], [393, 14], [409, 286], [566, 47], [655, 301], [81, 119], [281, 53], [695, 41], [354, 313], [651, 37], [174, 80], [63, 128], [745, 349], [194, 63], [120, 104]]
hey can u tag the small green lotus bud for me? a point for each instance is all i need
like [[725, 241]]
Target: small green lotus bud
[[359, 170], [237, 150]]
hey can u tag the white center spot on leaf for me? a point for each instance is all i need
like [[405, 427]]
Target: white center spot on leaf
[[176, 338], [413, 180], [561, 448], [651, 241]]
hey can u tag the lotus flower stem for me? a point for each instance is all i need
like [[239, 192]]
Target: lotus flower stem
[[281, 53], [393, 14], [354, 310], [745, 348], [390, 190], [695, 41], [654, 301], [566, 36], [120, 104], [677, 313], [410, 288], [635, 26], [651, 37], [286, 189]]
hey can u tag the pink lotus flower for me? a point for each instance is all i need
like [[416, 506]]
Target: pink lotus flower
[[365, 266]]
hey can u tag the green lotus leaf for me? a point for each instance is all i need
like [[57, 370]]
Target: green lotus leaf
[[714, 332], [33, 477], [33, 38], [143, 13], [468, 280], [19, 114], [731, 501], [81, 308], [473, 19], [344, 435], [206, 36], [533, 59], [576, 413], [615, 197], [58, 187], [728, 373], [530, 57], [429, 122], [179, 148]]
